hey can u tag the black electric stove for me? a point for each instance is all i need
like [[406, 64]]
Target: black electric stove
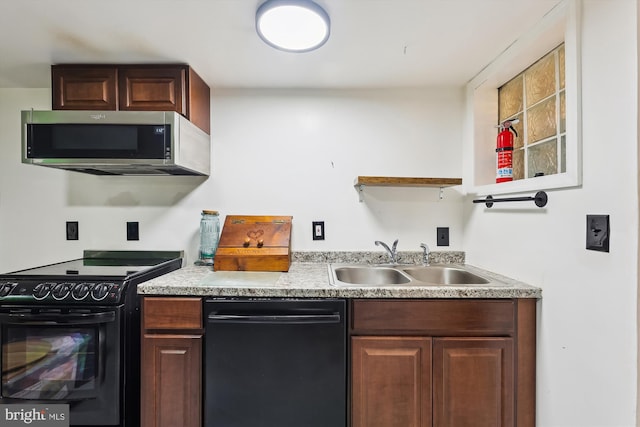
[[100, 277], [70, 334]]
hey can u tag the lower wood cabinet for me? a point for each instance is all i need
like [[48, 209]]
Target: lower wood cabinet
[[171, 380], [473, 382], [414, 363], [391, 381], [443, 363], [171, 372]]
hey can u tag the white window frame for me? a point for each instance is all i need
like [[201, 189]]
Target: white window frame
[[562, 24]]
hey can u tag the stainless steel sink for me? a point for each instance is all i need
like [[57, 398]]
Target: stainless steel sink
[[402, 275], [376, 276], [442, 275]]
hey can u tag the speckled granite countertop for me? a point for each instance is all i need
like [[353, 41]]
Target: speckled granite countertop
[[308, 277]]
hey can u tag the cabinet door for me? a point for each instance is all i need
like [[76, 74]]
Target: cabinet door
[[84, 88], [171, 381], [473, 380], [152, 89], [391, 382]]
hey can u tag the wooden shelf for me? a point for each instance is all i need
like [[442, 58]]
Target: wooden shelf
[[391, 181]]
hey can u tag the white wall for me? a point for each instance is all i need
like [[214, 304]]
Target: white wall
[[273, 153], [587, 316], [297, 153]]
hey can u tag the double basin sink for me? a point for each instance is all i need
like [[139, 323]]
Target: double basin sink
[[402, 275]]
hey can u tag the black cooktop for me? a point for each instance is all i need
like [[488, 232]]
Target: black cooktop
[[98, 277], [103, 264]]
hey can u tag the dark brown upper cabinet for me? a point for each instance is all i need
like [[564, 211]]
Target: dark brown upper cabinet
[[134, 87]]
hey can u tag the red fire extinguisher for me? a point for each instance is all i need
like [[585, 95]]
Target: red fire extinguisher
[[504, 151]]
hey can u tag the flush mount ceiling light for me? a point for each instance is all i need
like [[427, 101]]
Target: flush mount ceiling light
[[292, 25]]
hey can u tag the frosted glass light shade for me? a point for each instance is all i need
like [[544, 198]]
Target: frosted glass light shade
[[292, 25]]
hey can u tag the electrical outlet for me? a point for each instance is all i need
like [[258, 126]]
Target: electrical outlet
[[318, 230], [72, 230], [598, 233], [442, 236], [133, 231]]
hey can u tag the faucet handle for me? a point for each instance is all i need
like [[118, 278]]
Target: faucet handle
[[395, 245]]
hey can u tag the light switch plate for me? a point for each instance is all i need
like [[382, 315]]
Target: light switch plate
[[318, 230], [442, 234], [72, 230], [133, 232], [598, 233]]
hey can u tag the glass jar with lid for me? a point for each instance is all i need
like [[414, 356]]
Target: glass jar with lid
[[209, 237]]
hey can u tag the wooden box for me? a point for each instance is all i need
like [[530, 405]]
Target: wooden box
[[254, 243]]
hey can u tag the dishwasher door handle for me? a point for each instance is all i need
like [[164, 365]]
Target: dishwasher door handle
[[289, 319]]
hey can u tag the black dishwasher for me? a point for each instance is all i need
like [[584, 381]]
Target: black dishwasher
[[275, 363]]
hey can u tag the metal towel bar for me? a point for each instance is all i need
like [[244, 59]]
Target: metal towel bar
[[540, 199]]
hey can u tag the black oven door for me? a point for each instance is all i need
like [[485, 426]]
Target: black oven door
[[63, 355]]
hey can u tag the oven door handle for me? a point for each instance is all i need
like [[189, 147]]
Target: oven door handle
[[57, 318]]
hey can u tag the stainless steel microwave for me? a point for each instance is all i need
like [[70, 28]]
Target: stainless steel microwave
[[115, 142]]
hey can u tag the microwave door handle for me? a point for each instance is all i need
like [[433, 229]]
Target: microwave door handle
[[56, 318], [291, 319]]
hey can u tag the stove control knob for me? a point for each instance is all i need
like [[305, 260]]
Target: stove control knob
[[41, 291], [60, 291], [80, 291], [100, 291], [5, 289]]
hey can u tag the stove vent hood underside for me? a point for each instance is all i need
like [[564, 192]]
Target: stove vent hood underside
[[134, 169]]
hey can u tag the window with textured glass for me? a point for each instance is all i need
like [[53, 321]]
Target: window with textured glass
[[537, 98]]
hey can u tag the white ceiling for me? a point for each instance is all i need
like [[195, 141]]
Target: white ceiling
[[373, 43]]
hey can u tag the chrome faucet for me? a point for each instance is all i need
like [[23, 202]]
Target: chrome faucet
[[392, 252], [425, 253]]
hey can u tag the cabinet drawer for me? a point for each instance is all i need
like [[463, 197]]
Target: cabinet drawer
[[171, 313], [434, 317]]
